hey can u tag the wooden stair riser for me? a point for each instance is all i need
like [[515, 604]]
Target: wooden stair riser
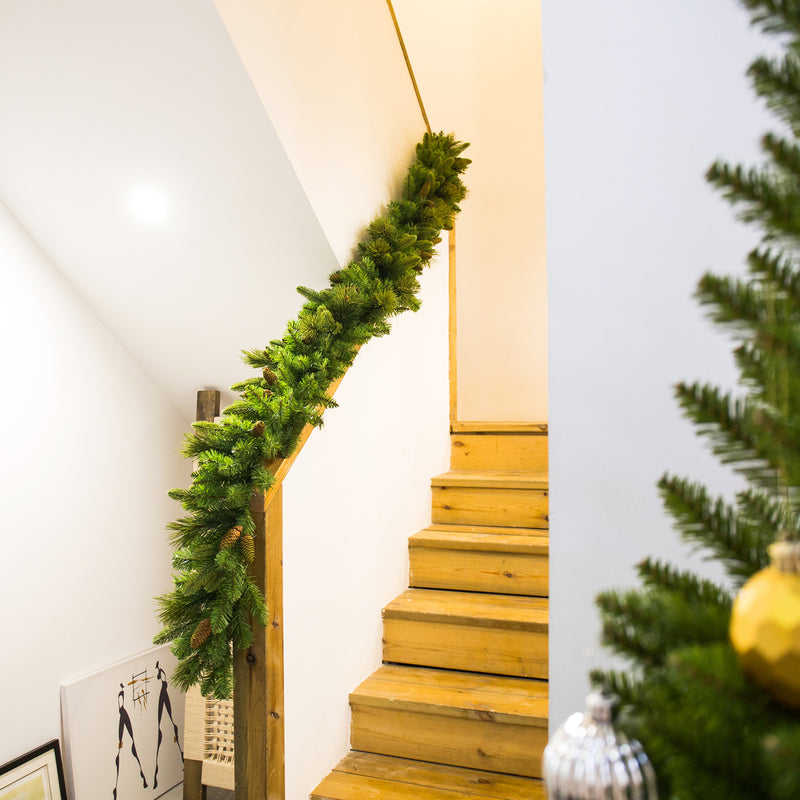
[[481, 451], [466, 742], [462, 505], [366, 776], [478, 570], [496, 651], [340, 786]]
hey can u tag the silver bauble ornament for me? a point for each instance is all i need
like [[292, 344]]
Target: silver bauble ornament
[[587, 759]]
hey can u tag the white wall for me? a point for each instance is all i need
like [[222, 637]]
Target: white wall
[[336, 88], [360, 488], [99, 98], [89, 452], [639, 99], [479, 69]]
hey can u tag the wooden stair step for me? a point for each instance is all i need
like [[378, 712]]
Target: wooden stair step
[[500, 426], [367, 776], [470, 608], [483, 537], [515, 499], [524, 451], [487, 722], [468, 631], [480, 559], [494, 479]]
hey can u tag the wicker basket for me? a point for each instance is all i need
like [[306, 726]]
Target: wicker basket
[[209, 737]]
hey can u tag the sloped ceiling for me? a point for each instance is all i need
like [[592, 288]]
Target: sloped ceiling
[[100, 98]]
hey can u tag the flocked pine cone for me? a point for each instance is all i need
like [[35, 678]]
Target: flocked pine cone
[[231, 537], [201, 633], [248, 548]]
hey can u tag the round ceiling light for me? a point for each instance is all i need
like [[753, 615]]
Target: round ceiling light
[[148, 204]]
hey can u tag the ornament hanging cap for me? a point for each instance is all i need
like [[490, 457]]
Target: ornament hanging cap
[[601, 706], [785, 555]]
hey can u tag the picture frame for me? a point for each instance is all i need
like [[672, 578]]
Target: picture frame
[[37, 775], [122, 729]]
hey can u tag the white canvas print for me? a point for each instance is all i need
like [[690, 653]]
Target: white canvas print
[[123, 730]]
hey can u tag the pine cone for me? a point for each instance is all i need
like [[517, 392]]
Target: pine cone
[[248, 548], [258, 429], [337, 277], [269, 376], [425, 189], [230, 538], [201, 633]]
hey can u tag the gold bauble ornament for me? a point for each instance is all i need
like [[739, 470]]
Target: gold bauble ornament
[[765, 625]]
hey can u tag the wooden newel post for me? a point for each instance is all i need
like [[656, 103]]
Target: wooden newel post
[[208, 401], [258, 671]]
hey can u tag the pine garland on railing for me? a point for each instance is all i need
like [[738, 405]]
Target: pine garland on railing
[[207, 615]]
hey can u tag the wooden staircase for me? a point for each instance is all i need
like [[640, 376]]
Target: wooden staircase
[[458, 711]]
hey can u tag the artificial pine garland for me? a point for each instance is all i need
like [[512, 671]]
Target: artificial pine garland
[[207, 615]]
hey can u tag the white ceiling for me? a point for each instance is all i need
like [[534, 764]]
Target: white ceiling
[[101, 97]]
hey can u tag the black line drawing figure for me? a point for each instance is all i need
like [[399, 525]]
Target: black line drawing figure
[[164, 703], [125, 724]]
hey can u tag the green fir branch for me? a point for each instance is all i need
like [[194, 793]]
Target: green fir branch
[[779, 270], [759, 363], [785, 155], [659, 575], [647, 625], [762, 195], [715, 526], [754, 439], [746, 308], [775, 16], [778, 83]]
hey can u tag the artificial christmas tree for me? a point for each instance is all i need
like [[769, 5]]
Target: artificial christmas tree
[[710, 729]]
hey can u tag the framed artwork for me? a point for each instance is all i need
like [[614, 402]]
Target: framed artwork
[[35, 776], [123, 730]]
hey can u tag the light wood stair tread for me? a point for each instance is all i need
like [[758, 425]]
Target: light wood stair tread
[[495, 427], [470, 608], [530, 541], [494, 479], [468, 695], [368, 776]]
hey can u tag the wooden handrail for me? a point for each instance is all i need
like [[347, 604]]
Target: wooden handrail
[[280, 467]]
